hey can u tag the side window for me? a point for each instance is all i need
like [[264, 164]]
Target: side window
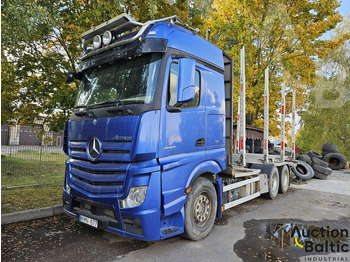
[[172, 87]]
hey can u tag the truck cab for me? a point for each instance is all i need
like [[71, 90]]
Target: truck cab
[[149, 120], [150, 142]]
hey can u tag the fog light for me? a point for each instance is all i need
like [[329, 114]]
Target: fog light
[[96, 42], [107, 38], [135, 197]]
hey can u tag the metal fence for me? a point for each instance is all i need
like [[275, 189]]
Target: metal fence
[[23, 163]]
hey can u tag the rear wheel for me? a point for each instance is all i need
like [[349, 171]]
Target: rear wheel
[[284, 179], [200, 209], [274, 182]]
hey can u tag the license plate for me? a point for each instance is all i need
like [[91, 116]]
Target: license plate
[[88, 221]]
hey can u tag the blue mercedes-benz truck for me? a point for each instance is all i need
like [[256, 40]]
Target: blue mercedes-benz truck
[[150, 142]]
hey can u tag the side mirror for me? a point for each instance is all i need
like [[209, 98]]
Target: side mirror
[[71, 76], [186, 89]]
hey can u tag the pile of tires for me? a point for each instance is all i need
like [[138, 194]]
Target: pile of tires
[[331, 155], [320, 167]]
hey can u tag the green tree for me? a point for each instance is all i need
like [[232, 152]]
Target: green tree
[[41, 42], [283, 35], [327, 118]]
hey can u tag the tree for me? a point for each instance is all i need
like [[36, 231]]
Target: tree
[[327, 118], [41, 42], [282, 35]]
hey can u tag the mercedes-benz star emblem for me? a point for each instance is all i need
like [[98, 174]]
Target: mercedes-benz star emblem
[[94, 148]]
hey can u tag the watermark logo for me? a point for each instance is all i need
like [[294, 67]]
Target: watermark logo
[[320, 239]]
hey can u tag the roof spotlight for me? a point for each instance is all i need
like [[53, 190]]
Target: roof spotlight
[[107, 38], [96, 42]]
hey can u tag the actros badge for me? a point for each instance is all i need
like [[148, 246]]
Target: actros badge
[[94, 148]]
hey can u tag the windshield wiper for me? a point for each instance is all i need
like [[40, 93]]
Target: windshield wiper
[[88, 112], [106, 103], [122, 109]]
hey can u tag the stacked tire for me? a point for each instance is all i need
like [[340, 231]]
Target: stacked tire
[[328, 148], [334, 159], [320, 167], [303, 169]]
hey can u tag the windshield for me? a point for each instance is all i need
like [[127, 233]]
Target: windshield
[[128, 81]]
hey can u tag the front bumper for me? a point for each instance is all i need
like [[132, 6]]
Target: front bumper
[[142, 222], [141, 225]]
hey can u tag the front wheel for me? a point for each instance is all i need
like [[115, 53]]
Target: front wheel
[[200, 209]]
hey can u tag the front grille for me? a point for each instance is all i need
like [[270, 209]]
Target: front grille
[[99, 172], [99, 183], [112, 151], [98, 178]]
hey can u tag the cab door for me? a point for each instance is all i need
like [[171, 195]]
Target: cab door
[[182, 126], [182, 137]]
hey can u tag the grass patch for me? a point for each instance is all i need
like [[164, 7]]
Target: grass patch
[[30, 198], [21, 170]]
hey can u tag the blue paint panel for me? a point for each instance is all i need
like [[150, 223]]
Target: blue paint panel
[[174, 179], [148, 136], [218, 187], [184, 40], [109, 128], [215, 131], [218, 156], [204, 167]]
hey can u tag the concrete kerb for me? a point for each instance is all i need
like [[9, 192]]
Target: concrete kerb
[[31, 214]]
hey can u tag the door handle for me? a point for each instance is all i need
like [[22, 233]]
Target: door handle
[[200, 142]]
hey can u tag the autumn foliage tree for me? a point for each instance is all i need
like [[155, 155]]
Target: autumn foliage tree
[[41, 42], [282, 35]]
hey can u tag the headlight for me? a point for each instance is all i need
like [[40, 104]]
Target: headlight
[[107, 38], [135, 198], [96, 43], [66, 185]]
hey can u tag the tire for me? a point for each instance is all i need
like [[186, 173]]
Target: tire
[[320, 175], [324, 153], [303, 170], [336, 161], [200, 209], [314, 154], [329, 147], [274, 182], [305, 158], [319, 162], [284, 179], [323, 170]]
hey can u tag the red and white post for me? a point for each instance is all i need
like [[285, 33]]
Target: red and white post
[[293, 126], [266, 116], [283, 115]]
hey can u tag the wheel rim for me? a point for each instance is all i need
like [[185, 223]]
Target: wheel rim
[[202, 209], [274, 183], [284, 180]]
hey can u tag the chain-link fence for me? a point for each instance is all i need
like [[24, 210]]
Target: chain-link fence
[[26, 160]]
